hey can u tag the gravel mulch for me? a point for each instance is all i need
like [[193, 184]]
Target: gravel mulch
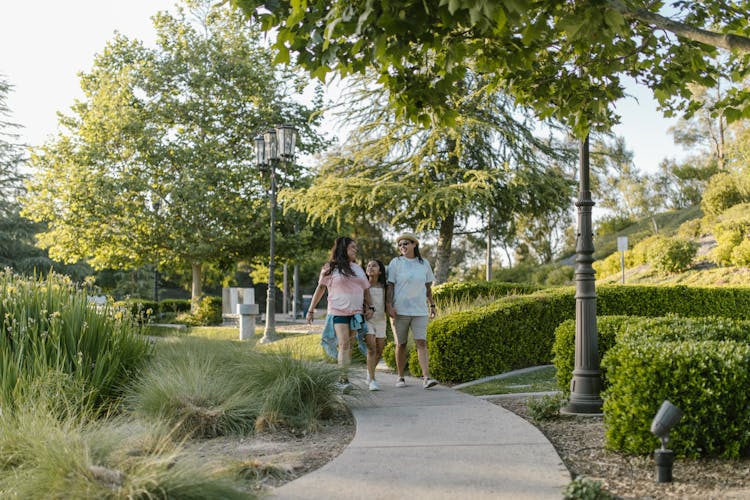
[[580, 443]]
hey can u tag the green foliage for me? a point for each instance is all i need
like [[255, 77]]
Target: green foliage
[[45, 456], [174, 305], [610, 329], [49, 325], [513, 332], [413, 46], [208, 311], [706, 379], [584, 488], [563, 349], [545, 408], [152, 176], [724, 190], [141, 310], [468, 291], [518, 332], [673, 255], [731, 229], [212, 387]]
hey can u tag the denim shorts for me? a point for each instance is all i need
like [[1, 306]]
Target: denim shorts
[[342, 319]]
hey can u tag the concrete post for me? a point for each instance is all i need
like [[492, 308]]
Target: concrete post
[[247, 313]]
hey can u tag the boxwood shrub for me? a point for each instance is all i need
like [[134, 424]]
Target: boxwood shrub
[[451, 292], [612, 328], [518, 331], [706, 379]]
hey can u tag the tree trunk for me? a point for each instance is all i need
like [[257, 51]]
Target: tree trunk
[[444, 246], [197, 291]]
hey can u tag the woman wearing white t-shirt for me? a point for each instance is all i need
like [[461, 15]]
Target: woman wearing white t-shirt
[[409, 304], [347, 286], [375, 337]]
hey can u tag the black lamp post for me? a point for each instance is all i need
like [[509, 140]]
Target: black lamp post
[[271, 148], [586, 383]]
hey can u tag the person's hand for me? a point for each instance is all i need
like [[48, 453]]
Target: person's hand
[[391, 311], [432, 313], [310, 317], [369, 313]]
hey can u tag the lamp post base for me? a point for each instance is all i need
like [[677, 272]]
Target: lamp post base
[[267, 339]]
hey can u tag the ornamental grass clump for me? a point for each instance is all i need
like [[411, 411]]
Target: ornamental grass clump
[[210, 388], [78, 456], [49, 325]]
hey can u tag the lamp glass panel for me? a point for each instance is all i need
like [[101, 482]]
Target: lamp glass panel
[[260, 151], [287, 136], [272, 152]]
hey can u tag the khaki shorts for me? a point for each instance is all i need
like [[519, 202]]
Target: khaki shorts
[[376, 328], [401, 324]]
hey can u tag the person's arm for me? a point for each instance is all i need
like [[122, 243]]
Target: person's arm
[[369, 309], [389, 309], [430, 302], [319, 291]]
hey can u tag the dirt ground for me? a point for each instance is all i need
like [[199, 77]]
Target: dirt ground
[[580, 443], [270, 459]]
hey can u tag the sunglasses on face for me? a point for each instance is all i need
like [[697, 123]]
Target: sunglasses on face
[[404, 243]]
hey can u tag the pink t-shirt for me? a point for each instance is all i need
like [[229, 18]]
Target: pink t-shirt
[[346, 294]]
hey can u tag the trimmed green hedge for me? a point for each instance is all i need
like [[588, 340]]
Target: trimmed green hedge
[[706, 379], [517, 332], [611, 329], [451, 292]]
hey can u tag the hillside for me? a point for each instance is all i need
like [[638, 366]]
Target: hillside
[[702, 273]]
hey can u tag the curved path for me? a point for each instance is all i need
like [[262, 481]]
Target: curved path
[[434, 444]]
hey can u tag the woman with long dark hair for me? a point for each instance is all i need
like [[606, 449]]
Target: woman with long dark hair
[[348, 295]]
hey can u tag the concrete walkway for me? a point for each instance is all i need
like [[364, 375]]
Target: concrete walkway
[[434, 444]]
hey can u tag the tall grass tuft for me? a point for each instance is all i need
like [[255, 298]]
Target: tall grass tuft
[[49, 325], [209, 388], [43, 456]]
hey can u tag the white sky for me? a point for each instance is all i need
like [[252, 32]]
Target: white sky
[[45, 43]]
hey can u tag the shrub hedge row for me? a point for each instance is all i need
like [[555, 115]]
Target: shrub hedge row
[[452, 292], [701, 366], [517, 332], [611, 329]]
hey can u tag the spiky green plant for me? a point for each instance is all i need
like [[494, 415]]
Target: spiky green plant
[[49, 324]]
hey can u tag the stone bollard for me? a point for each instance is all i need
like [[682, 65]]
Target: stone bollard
[[247, 313]]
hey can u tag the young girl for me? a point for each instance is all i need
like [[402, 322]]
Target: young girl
[[375, 337]]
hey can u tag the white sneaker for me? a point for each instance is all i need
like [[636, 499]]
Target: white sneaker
[[374, 386], [401, 383], [367, 378], [428, 382]]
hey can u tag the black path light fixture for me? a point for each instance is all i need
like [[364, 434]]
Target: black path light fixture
[[666, 418], [271, 148], [586, 383]]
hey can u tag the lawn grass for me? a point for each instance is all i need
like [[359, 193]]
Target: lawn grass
[[542, 380]]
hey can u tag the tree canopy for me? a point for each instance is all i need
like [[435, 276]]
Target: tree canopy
[[566, 59], [156, 163]]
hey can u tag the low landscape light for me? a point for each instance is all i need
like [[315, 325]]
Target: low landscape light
[[666, 418]]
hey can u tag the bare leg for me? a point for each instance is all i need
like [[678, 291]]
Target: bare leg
[[380, 345], [424, 360], [400, 359], [372, 355], [345, 347]]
